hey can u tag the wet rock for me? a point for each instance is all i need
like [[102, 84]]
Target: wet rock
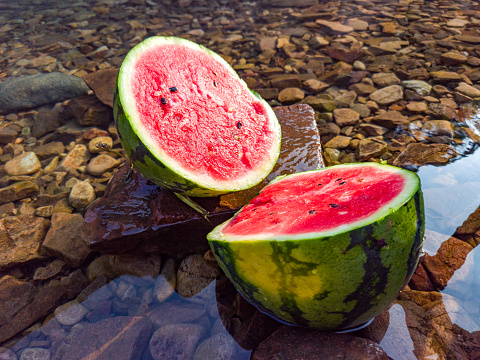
[[113, 266], [102, 83], [286, 81], [75, 158], [24, 164], [101, 164], [194, 274], [268, 94], [438, 128], [166, 283], [290, 95], [362, 89], [420, 280], [450, 256], [422, 88], [296, 343], [391, 119], [314, 86], [445, 76], [8, 133], [468, 90], [81, 195], [338, 142], [300, 3], [47, 121], [219, 346], [49, 149], [44, 300], [387, 95], [417, 106], [373, 130], [176, 341], [348, 56], [17, 191], [370, 148], [345, 117], [7, 354], [31, 91], [417, 154], [35, 354], [357, 24], [385, 79], [14, 296], [334, 27], [53, 269], [70, 313], [64, 239], [106, 141], [136, 211], [89, 111], [320, 104], [20, 239], [176, 313], [453, 59], [442, 111], [120, 337]]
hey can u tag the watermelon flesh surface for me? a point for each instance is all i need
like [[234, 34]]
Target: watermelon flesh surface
[[319, 201], [199, 114]]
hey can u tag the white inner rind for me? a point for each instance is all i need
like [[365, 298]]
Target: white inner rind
[[127, 99], [412, 185]]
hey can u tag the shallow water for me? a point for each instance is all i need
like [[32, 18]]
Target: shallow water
[[451, 192]]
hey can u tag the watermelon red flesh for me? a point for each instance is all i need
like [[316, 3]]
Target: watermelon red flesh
[[206, 119], [318, 201]]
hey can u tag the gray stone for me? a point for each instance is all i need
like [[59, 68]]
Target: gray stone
[[387, 95], [176, 341], [31, 91], [81, 195], [7, 354], [194, 274], [35, 354], [422, 88], [70, 313], [219, 347], [166, 283], [176, 313], [24, 164]]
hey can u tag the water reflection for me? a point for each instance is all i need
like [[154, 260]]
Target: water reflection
[[397, 342]]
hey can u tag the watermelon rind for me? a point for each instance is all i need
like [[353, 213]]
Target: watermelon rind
[[330, 280], [151, 160]]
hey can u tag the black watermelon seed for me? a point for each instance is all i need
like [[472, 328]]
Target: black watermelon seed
[[163, 101], [239, 125], [311, 212], [339, 179], [342, 183], [214, 83], [334, 205], [173, 89], [319, 184]]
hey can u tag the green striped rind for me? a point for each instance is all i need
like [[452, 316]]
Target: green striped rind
[[150, 160], [328, 282]]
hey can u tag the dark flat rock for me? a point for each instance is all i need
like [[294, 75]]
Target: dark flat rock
[[133, 210]]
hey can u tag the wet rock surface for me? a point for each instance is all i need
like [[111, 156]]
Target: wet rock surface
[[381, 81]]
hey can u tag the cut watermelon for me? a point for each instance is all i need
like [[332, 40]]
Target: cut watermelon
[[189, 123], [329, 248]]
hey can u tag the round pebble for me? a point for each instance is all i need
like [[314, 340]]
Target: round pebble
[[70, 313], [24, 164], [81, 195]]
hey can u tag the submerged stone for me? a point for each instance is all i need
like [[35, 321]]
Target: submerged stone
[[134, 210]]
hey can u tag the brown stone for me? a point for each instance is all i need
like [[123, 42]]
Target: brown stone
[[420, 280], [102, 83], [370, 148], [391, 119], [114, 223], [450, 257], [64, 239], [285, 81], [20, 239], [417, 154], [441, 111], [14, 296], [348, 56], [345, 117], [290, 95], [296, 343], [334, 27], [89, 111], [17, 191]]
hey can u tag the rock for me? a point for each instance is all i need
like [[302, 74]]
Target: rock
[[44, 211], [442, 111], [176, 313], [64, 239], [219, 346], [285, 81], [438, 128], [120, 338], [457, 23], [268, 94], [338, 142], [391, 119], [176, 341], [320, 104], [345, 117], [385, 79], [334, 27], [17, 191], [89, 111], [417, 106], [445, 76], [370, 148], [268, 43], [35, 354], [107, 142], [450, 256], [194, 274], [70, 313], [27, 92], [420, 280], [348, 56], [14, 296], [373, 130], [285, 3], [314, 86], [9, 133], [297, 343], [468, 90], [102, 163], [387, 95], [346, 99], [7, 354], [81, 195], [357, 25], [422, 88], [453, 59], [49, 149], [76, 157], [24, 164], [166, 283], [20, 239], [290, 95], [53, 269], [103, 83], [169, 226], [417, 154], [362, 89], [316, 42], [472, 39], [47, 121], [44, 300]]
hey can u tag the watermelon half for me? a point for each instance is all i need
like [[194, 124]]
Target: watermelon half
[[328, 248], [189, 123]]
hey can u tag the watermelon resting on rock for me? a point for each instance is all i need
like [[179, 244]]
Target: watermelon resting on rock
[[328, 248], [189, 123]]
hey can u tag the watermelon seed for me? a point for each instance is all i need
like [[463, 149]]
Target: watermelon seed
[[311, 212], [173, 89], [334, 205], [319, 184], [239, 125], [215, 83], [339, 179], [272, 213], [342, 183], [163, 101]]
